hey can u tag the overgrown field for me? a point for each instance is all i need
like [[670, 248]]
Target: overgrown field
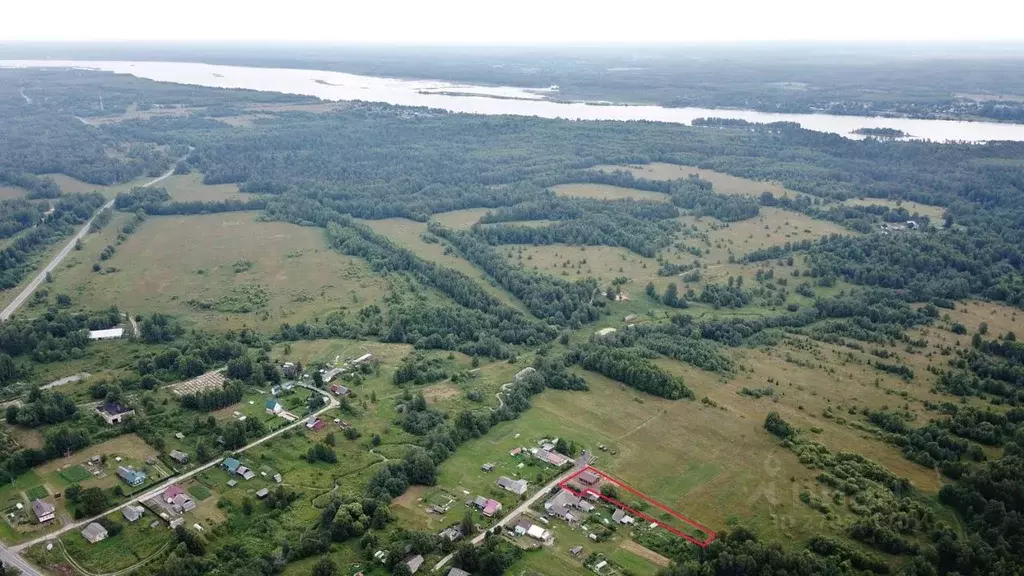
[[219, 270]]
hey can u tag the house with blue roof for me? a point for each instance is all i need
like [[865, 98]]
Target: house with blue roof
[[230, 464], [274, 407], [132, 476]]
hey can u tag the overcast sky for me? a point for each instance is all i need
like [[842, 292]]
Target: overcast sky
[[514, 21]]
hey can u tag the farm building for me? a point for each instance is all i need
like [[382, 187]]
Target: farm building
[[331, 374], [179, 456], [277, 478], [316, 424], [109, 334], [458, 572], [245, 473], [131, 476], [362, 359], [94, 532], [488, 467], [552, 457], [630, 318], [230, 464], [132, 513], [232, 483], [262, 493], [43, 510], [605, 331], [576, 550], [517, 487], [273, 407], [113, 412]]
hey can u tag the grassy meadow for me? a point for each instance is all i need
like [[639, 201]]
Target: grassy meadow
[[220, 271], [607, 192], [723, 183]]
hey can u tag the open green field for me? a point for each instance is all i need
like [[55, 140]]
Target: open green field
[[723, 183], [934, 212], [190, 187], [222, 271], [713, 464], [607, 192]]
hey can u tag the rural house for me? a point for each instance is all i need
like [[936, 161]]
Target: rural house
[[94, 532], [622, 518], [630, 318], [172, 491], [413, 563], [132, 513], [487, 506], [230, 464], [131, 476], [488, 467], [273, 407], [43, 510], [458, 572], [179, 456], [587, 477], [245, 473], [517, 487], [183, 503], [551, 457], [563, 505], [113, 412]]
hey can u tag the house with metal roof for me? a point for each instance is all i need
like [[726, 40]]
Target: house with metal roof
[[230, 464], [413, 563], [133, 513], [517, 487], [274, 407], [43, 510], [94, 532], [179, 456], [131, 476]]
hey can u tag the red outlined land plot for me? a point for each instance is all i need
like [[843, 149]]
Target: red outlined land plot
[[584, 489]]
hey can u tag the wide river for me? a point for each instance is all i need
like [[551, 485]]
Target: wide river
[[505, 100]]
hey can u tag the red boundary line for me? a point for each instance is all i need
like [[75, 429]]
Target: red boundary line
[[702, 543]]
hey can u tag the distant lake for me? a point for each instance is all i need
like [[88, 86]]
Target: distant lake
[[505, 100]]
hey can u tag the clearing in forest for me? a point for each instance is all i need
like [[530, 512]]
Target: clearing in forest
[[607, 192], [934, 212], [723, 183], [221, 271], [190, 187]]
